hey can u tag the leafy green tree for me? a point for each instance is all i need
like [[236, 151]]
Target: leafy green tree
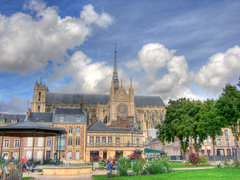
[[228, 108], [210, 122], [177, 123]]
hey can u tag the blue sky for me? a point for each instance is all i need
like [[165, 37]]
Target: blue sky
[[170, 48]]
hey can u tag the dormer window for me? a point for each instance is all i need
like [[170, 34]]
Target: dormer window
[[78, 118], [14, 121], [2, 121], [61, 118]]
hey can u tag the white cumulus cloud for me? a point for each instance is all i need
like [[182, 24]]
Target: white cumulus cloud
[[153, 58], [222, 68], [28, 42]]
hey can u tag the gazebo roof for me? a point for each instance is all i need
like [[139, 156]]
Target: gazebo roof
[[29, 129]]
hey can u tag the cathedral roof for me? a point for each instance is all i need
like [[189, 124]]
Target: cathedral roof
[[95, 99], [69, 111]]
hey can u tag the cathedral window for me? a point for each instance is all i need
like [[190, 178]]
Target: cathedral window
[[39, 96], [91, 139], [105, 120], [109, 140]]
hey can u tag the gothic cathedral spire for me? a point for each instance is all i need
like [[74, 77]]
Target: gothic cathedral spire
[[115, 74]]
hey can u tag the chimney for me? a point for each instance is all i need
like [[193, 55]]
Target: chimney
[[29, 112], [82, 105]]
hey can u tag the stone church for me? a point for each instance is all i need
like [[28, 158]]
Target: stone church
[[118, 109]]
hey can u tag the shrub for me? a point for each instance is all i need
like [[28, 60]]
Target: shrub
[[137, 166], [135, 156], [219, 164], [236, 164], [228, 164], [202, 160], [124, 165], [193, 158], [159, 167]]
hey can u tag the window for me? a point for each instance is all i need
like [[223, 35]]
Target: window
[[49, 141], [70, 141], [2, 121], [103, 139], [97, 139], [70, 154], [118, 140], [70, 130], [38, 108], [14, 121], [219, 142], [77, 155], [61, 118], [29, 141], [39, 155], [137, 142], [77, 141], [39, 96], [227, 142], [78, 118], [78, 130], [109, 140], [6, 143], [16, 143], [226, 133], [40, 142], [91, 139]]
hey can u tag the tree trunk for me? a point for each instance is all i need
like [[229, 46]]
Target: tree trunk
[[237, 146], [214, 156]]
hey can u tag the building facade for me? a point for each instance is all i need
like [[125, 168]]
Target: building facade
[[144, 112]]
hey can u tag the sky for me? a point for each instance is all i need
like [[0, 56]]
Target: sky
[[170, 49]]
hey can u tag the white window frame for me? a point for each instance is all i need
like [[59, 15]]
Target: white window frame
[[6, 140]]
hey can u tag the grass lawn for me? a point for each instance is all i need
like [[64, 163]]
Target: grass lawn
[[27, 178], [180, 165], [204, 174]]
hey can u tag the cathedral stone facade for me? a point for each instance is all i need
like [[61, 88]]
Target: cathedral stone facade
[[118, 109]]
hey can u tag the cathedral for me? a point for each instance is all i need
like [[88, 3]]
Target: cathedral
[[120, 108]]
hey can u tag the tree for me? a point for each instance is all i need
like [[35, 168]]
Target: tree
[[210, 122], [177, 123], [228, 108]]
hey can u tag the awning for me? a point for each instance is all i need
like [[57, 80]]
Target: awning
[[94, 151], [147, 150], [138, 151], [119, 151]]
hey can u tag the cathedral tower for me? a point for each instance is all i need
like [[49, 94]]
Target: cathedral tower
[[115, 74], [39, 97]]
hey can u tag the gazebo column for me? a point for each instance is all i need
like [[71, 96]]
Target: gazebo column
[[2, 144], [60, 147], [34, 134], [44, 149], [19, 153]]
